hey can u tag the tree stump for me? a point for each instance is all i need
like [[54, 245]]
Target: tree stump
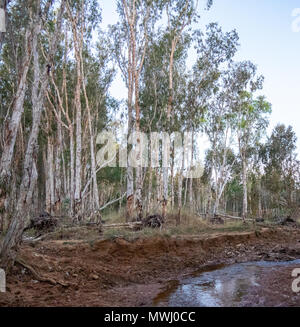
[[217, 220], [155, 221], [43, 223]]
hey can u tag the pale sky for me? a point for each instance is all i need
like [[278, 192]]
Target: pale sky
[[267, 38]]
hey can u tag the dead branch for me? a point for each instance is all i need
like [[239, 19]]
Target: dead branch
[[112, 202]]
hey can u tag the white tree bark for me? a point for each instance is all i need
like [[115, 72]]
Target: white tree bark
[[260, 213], [50, 174], [58, 166], [180, 184], [78, 152], [29, 178], [77, 31], [92, 147], [17, 111], [245, 191]]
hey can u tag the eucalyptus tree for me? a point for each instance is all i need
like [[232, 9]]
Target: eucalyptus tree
[[208, 97], [180, 16], [98, 77], [39, 85], [84, 17], [154, 97], [251, 117], [130, 44], [281, 165], [220, 132], [257, 169], [16, 62], [220, 163], [22, 56], [96, 104]]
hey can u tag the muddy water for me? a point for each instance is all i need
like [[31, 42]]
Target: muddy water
[[218, 286]]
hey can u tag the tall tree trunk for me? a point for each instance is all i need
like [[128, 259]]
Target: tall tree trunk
[[216, 204], [185, 191], [12, 128], [77, 101], [139, 170], [180, 183], [14, 234], [172, 177], [169, 113], [209, 199], [72, 171], [260, 214], [136, 55], [191, 179], [150, 186], [165, 191], [92, 147], [129, 173], [245, 193], [29, 178], [130, 82], [58, 170], [47, 182], [158, 178], [50, 174], [78, 152]]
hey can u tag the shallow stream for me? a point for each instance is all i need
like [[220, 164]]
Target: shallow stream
[[218, 286]]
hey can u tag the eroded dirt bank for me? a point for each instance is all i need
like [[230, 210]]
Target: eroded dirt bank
[[122, 273]]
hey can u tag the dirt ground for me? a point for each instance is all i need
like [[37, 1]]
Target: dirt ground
[[122, 273], [276, 292]]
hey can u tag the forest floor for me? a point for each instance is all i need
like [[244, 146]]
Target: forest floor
[[132, 271]]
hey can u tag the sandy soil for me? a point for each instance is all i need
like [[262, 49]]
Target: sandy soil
[[122, 273]]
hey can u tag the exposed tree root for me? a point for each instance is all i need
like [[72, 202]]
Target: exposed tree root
[[37, 276]]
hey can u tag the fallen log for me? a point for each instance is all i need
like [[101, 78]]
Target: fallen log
[[129, 225], [155, 221], [232, 217]]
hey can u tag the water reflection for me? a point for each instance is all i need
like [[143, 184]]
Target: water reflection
[[221, 287]]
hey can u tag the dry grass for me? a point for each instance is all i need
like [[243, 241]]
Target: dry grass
[[190, 225], [114, 217]]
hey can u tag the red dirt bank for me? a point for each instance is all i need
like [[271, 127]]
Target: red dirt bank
[[121, 273]]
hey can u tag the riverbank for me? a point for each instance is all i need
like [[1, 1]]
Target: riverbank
[[123, 272]]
